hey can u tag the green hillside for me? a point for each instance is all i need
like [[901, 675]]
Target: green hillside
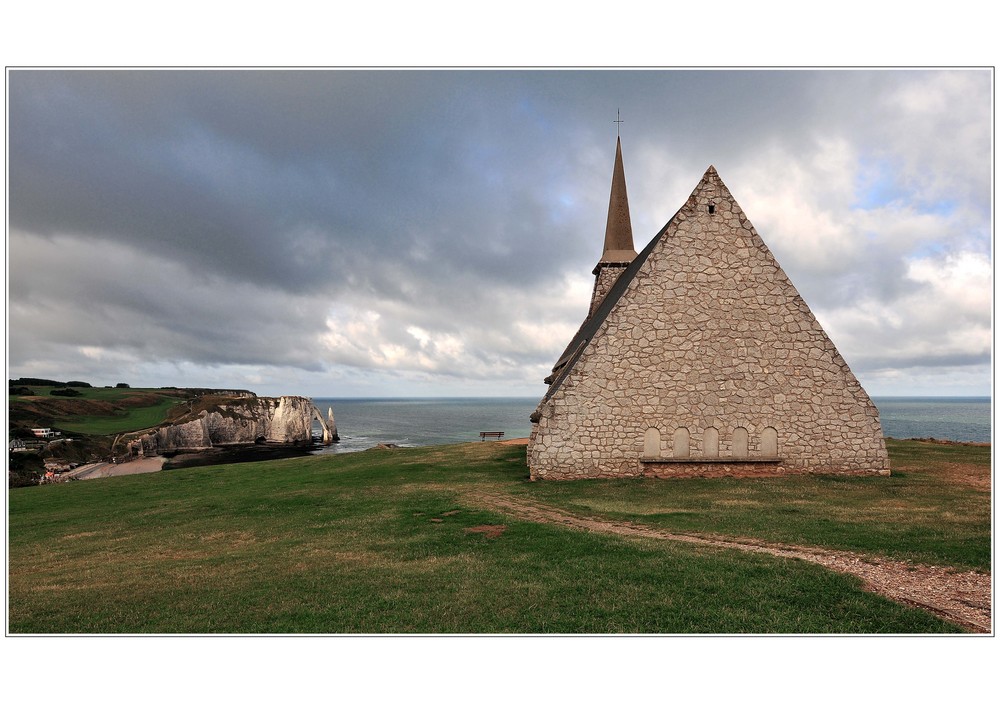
[[93, 411], [80, 409]]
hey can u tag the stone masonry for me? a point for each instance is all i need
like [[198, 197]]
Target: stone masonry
[[606, 275], [703, 360]]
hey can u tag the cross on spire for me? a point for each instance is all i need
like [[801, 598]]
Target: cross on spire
[[619, 122]]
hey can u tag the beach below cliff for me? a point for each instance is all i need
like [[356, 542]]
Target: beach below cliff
[[101, 470]]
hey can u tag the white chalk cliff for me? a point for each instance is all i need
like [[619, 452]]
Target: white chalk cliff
[[237, 421]]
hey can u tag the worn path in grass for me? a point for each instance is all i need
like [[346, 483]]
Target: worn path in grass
[[960, 597]]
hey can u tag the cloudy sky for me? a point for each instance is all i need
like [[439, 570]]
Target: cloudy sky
[[382, 233]]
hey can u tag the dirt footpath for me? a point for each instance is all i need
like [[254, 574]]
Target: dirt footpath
[[963, 598], [514, 441]]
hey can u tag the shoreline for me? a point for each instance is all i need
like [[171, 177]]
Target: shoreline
[[103, 470], [941, 441]]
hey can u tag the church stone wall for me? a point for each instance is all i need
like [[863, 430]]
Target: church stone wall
[[710, 338], [606, 275]]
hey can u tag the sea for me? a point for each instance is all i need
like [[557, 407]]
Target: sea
[[413, 422], [959, 418]]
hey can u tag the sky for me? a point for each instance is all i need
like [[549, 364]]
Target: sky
[[365, 233]]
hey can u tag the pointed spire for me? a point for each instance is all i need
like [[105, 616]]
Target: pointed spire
[[618, 246]]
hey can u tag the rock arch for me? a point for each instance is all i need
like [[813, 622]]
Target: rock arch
[[329, 428]]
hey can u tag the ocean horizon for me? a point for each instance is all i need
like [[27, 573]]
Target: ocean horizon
[[418, 421]]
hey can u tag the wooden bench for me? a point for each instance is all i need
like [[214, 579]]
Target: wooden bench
[[491, 434]]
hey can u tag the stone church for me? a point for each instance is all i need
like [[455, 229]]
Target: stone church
[[699, 358]]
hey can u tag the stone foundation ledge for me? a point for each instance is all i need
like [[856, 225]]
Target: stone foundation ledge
[[711, 460], [670, 468], [675, 468]]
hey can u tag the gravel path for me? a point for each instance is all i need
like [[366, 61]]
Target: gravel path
[[963, 598]]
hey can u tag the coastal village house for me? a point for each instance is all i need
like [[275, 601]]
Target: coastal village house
[[45, 433], [699, 358]]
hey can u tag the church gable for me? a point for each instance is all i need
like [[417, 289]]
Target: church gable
[[704, 360]]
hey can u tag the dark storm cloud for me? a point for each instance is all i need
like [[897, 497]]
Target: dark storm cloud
[[95, 296], [280, 177], [449, 219]]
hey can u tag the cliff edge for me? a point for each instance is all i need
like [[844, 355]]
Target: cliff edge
[[214, 421]]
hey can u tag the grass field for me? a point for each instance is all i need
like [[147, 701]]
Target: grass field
[[391, 542], [100, 411], [129, 419], [92, 392], [923, 512]]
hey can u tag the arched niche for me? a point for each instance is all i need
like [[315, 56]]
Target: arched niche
[[769, 443], [682, 443], [651, 443], [711, 442], [741, 443]]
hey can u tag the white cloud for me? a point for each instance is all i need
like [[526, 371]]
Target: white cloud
[[960, 284], [943, 321]]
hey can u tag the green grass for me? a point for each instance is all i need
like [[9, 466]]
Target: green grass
[[377, 542], [95, 393], [129, 409], [129, 419], [920, 513]]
